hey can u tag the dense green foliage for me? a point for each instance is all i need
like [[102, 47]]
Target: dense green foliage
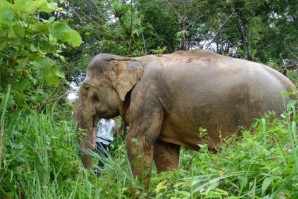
[[30, 42]]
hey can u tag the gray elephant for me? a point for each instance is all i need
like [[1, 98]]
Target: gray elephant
[[166, 99]]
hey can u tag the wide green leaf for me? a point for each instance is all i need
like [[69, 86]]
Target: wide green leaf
[[4, 5], [29, 6], [49, 7], [266, 183], [63, 32]]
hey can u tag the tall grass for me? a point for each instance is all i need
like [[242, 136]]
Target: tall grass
[[40, 160], [2, 119]]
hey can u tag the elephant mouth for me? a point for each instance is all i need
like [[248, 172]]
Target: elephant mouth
[[95, 117], [94, 121]]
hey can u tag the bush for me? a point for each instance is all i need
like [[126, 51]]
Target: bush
[[31, 40]]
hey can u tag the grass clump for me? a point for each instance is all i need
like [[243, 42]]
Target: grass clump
[[37, 153], [40, 160]]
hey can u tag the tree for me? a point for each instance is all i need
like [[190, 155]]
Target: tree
[[256, 30], [30, 47], [160, 26]]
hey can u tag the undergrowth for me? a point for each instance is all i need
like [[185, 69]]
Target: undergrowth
[[40, 160], [262, 164]]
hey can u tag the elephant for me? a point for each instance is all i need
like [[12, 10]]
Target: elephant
[[165, 99]]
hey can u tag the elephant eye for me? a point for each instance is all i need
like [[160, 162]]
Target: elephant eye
[[95, 98], [86, 86]]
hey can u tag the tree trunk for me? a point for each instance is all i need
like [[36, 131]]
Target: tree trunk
[[243, 30], [183, 26]]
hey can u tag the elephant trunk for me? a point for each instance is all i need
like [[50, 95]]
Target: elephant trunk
[[85, 137]]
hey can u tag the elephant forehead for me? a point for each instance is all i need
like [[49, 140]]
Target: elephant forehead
[[118, 66]]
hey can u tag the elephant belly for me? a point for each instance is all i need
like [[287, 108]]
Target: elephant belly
[[211, 123], [192, 132]]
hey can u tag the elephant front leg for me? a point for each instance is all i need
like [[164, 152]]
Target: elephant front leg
[[140, 155], [140, 143], [166, 156], [145, 118]]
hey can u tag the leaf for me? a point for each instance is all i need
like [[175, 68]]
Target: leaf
[[52, 77], [6, 15], [18, 29], [162, 185], [43, 62], [290, 104], [47, 71], [4, 5], [49, 7], [243, 180], [185, 194], [63, 32], [29, 6], [180, 184], [266, 183], [39, 27]]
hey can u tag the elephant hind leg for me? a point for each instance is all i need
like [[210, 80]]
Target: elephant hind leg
[[166, 156]]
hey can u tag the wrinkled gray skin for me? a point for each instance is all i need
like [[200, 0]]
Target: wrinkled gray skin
[[165, 99]]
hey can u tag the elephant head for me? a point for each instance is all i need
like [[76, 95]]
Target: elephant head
[[102, 94]]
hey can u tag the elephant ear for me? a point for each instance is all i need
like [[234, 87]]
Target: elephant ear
[[124, 74]]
